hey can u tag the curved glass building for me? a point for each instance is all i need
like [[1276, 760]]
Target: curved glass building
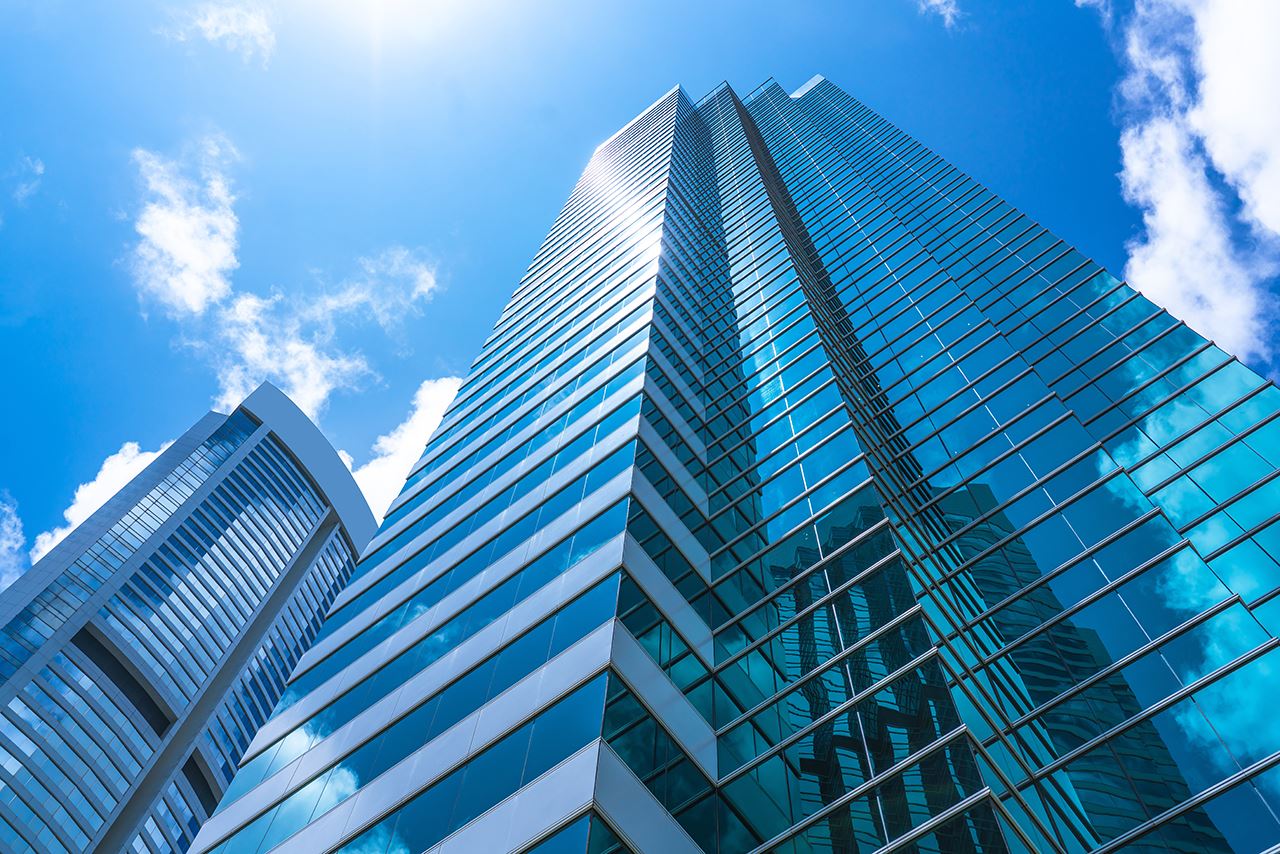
[[806, 497], [140, 655]]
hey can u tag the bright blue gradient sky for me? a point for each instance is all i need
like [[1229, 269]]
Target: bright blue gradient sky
[[384, 171]]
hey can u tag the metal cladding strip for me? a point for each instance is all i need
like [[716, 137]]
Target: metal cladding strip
[[667, 599], [619, 437], [445, 562], [463, 446], [633, 810], [665, 702], [587, 422], [452, 748], [549, 416], [461, 659], [456, 745], [537, 810], [494, 526], [458, 441], [593, 778], [522, 436], [611, 643], [439, 614], [627, 285]]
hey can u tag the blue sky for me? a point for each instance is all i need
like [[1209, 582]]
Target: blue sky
[[340, 196]]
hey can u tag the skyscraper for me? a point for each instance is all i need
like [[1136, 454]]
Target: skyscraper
[[807, 496], [140, 655]]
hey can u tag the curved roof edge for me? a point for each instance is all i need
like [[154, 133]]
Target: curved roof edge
[[303, 438]]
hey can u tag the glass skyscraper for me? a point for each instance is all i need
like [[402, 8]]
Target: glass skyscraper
[[140, 655], [807, 496]]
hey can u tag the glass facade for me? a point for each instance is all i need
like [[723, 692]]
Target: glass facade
[[806, 496], [140, 656]]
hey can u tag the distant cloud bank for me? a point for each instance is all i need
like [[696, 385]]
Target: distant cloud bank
[[1200, 145]]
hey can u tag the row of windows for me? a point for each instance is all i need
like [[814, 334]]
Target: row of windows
[[457, 466], [490, 776], [571, 413], [582, 268], [53, 606], [436, 514], [223, 560], [552, 504], [78, 724], [1042, 652], [258, 690], [480, 613], [618, 237], [607, 313], [424, 722], [618, 371]]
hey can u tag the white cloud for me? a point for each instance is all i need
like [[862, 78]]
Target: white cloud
[[390, 286], [1239, 70], [260, 339], [1185, 261], [243, 28], [30, 172], [1103, 8], [116, 470], [188, 228], [184, 260], [1201, 160], [394, 453], [947, 10], [291, 341], [13, 542]]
